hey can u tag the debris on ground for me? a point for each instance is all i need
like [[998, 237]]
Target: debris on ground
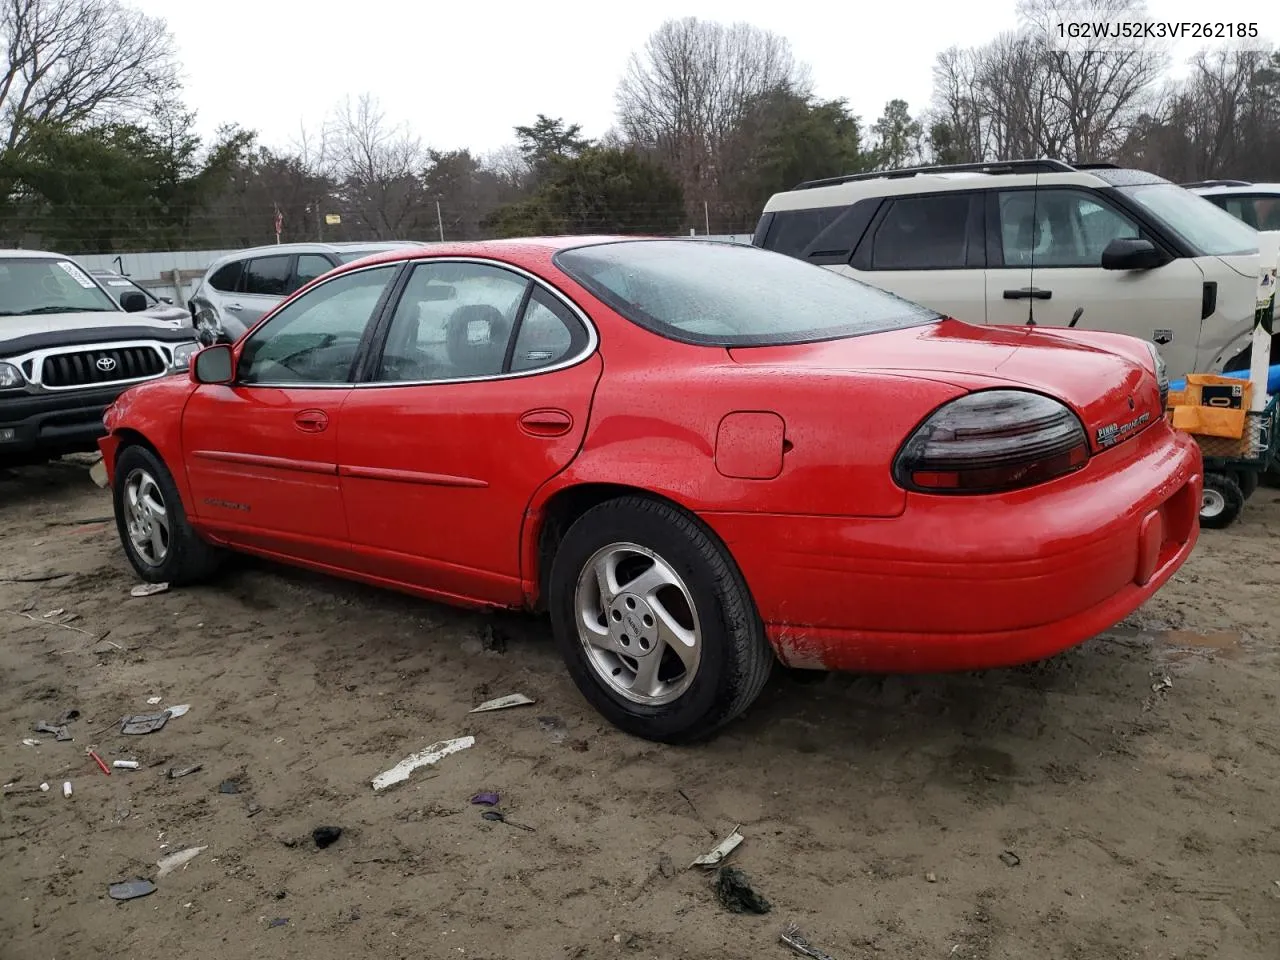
[[44, 788], [1010, 858], [493, 640], [174, 861], [143, 723], [503, 703], [736, 895], [718, 854], [486, 799], [100, 762], [796, 940], [30, 742], [228, 786], [554, 728], [66, 789], [98, 474], [152, 701], [497, 816], [131, 889], [177, 772], [148, 589], [125, 764], [425, 758], [931, 877], [178, 711], [1164, 683], [326, 836], [59, 731], [278, 922]]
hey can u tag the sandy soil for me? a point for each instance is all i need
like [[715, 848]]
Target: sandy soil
[[1141, 822]]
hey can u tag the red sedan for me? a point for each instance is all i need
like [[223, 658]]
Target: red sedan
[[698, 457]]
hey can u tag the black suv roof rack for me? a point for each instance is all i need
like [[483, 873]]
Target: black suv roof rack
[[1218, 183], [1044, 165]]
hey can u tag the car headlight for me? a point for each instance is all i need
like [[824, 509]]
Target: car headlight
[[10, 376], [183, 353], [1162, 373]]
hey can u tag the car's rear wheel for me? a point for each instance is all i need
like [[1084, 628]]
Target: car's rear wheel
[[655, 622], [153, 526]]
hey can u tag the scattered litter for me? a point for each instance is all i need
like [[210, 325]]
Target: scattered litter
[[30, 742], [486, 799], [228, 786], [502, 703], [554, 728], [59, 732], [67, 717], [734, 891], [1164, 683], [99, 761], [930, 877], [166, 865], [54, 613], [152, 701], [425, 758], [717, 855], [148, 589], [794, 939], [326, 836], [278, 922], [176, 772], [1010, 858], [125, 764], [180, 710], [98, 474], [66, 789], [131, 889], [498, 816], [144, 723], [44, 788]]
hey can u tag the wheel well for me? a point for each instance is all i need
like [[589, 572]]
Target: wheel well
[[564, 508], [1242, 359], [133, 437]]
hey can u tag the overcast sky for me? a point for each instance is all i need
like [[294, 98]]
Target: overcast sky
[[464, 73]]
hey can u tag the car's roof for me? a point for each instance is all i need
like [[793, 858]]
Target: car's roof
[[1248, 188], [32, 255]]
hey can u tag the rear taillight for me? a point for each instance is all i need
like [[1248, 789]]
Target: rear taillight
[[992, 440]]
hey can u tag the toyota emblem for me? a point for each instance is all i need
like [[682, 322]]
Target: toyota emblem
[[106, 364]]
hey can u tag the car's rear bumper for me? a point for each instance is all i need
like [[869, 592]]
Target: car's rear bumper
[[970, 582], [54, 423]]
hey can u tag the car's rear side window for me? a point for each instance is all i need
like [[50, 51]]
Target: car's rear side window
[[267, 277], [791, 231], [923, 233], [226, 278], [731, 295]]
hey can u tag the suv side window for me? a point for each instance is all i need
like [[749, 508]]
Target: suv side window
[[315, 338], [310, 266], [923, 233], [267, 276], [1054, 227], [1259, 212], [227, 277], [791, 231]]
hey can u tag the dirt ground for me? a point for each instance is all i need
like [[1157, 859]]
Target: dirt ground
[[1064, 810]]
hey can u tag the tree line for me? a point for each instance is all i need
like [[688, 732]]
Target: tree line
[[99, 154]]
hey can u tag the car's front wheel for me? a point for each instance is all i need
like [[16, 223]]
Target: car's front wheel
[[153, 527], [655, 622]]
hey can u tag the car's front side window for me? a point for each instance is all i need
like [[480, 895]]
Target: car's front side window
[[453, 322], [1059, 228], [315, 338]]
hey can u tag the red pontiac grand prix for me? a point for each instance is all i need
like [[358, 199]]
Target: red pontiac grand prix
[[697, 457]]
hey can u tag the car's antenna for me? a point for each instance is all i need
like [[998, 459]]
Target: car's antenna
[[1035, 230], [1076, 316]]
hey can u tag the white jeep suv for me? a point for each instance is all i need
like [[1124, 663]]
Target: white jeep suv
[[1038, 241]]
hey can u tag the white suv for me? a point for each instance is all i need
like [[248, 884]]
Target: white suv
[[1039, 241]]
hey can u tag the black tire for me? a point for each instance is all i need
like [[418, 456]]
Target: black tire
[[187, 558], [735, 659], [1247, 481], [1223, 501], [1271, 478]]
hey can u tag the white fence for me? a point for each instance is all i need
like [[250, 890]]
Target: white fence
[[175, 273]]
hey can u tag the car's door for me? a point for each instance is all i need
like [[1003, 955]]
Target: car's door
[[479, 394], [261, 453], [263, 284], [928, 249], [1045, 254]]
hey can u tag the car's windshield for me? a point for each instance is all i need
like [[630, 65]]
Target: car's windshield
[[37, 285], [702, 291], [1209, 229], [119, 286]]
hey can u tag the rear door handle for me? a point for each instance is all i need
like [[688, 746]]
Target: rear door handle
[[546, 423], [311, 421], [1028, 293]]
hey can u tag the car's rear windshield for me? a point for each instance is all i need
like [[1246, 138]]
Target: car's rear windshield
[[32, 286], [732, 295]]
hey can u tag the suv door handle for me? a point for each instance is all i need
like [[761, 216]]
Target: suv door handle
[[311, 421], [546, 423], [235, 307], [1028, 293]]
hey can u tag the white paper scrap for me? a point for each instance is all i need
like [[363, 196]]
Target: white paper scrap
[[502, 703], [425, 758]]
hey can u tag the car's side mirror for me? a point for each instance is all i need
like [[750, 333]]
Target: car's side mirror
[[133, 302], [216, 364], [168, 300], [1131, 253]]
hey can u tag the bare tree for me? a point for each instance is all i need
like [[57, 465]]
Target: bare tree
[[68, 61], [377, 164], [686, 92]]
